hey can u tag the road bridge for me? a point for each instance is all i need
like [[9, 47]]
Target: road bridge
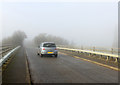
[[24, 66]]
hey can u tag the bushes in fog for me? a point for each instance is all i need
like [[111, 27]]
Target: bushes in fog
[[43, 37], [16, 39]]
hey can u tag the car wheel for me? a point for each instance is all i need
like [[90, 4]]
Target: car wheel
[[56, 55], [41, 55], [38, 54]]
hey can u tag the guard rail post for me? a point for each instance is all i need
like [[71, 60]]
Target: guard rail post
[[107, 55], [6, 57]]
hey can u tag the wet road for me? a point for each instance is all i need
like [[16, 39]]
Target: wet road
[[16, 72], [67, 69]]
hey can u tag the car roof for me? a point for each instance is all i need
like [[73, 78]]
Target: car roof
[[47, 42]]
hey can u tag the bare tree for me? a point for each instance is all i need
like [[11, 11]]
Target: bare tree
[[43, 37], [16, 39]]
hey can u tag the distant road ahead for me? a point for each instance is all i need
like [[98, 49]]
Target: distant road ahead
[[67, 69]]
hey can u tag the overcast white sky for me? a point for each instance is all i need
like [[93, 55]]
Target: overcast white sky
[[86, 22], [59, 0]]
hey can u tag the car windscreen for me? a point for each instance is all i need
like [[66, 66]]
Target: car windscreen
[[49, 45]]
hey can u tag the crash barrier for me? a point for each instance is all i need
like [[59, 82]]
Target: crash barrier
[[107, 55], [6, 57]]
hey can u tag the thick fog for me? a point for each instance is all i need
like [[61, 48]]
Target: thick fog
[[84, 23]]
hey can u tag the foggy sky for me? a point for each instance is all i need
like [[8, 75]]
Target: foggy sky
[[90, 24]]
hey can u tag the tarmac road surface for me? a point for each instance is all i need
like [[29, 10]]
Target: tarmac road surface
[[67, 69]]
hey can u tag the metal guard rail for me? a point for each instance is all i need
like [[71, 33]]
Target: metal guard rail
[[92, 52], [5, 58]]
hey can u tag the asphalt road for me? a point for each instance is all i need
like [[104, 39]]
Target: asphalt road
[[67, 69], [15, 72]]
